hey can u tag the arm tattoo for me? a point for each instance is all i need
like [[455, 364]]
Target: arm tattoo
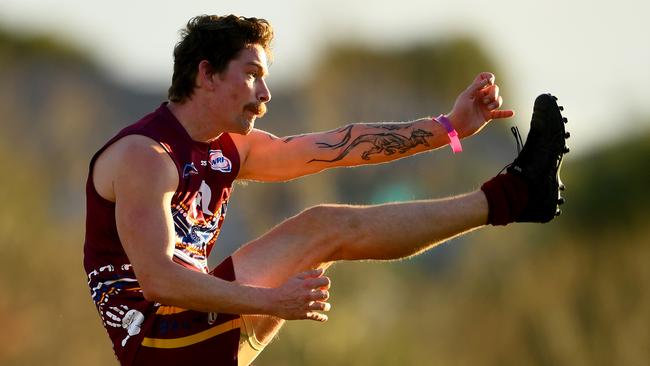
[[348, 129], [389, 143], [390, 126], [348, 132], [289, 138], [346, 138]]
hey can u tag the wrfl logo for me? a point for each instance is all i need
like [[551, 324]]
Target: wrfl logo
[[219, 162]]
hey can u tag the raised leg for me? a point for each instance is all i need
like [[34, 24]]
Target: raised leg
[[324, 234]]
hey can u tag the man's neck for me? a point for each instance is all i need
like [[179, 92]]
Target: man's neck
[[196, 123]]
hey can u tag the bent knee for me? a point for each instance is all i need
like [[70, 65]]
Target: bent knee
[[332, 226]]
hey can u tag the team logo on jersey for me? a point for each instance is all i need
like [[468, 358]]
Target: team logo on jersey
[[219, 162], [189, 169]]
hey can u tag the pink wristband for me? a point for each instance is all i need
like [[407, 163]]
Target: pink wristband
[[453, 135]]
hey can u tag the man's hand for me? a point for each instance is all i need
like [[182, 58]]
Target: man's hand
[[302, 297], [477, 105]]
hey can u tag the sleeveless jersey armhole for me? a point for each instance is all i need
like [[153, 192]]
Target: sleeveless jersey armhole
[[91, 182], [229, 144]]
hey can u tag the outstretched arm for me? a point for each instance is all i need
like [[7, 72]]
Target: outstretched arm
[[266, 157]]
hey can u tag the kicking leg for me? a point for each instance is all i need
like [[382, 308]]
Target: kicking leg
[[327, 233]]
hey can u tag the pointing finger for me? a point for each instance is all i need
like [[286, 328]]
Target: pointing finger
[[502, 113]]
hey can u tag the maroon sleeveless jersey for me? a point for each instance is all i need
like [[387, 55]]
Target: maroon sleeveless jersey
[[206, 172]]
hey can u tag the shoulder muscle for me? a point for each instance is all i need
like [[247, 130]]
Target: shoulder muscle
[[131, 162], [253, 149]]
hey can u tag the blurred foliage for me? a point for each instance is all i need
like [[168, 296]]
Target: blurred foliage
[[573, 292], [22, 47], [418, 79], [620, 181]]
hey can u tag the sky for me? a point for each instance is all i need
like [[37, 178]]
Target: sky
[[594, 55]]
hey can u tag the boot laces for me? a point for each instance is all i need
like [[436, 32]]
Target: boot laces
[[520, 142], [520, 145]]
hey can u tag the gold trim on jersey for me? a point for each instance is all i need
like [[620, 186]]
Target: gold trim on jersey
[[169, 310], [194, 338]]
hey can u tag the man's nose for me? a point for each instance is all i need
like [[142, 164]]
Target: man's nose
[[263, 94]]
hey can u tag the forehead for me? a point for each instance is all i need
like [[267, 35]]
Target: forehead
[[253, 55]]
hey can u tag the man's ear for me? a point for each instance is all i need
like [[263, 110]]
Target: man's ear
[[205, 75]]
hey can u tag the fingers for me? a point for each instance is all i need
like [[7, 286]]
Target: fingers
[[319, 306], [487, 76], [317, 283], [315, 307], [312, 273], [489, 93], [304, 296], [494, 111], [481, 81], [316, 300], [491, 100], [314, 279], [489, 97], [317, 317], [319, 295]]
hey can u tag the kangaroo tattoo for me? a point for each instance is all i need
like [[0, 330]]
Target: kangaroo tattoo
[[388, 143]]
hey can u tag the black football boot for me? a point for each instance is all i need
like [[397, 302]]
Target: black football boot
[[540, 160]]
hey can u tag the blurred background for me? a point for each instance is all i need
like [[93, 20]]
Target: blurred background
[[572, 292]]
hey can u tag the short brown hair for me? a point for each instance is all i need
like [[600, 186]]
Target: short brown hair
[[217, 39]]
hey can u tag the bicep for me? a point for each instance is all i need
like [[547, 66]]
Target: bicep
[[145, 179], [266, 157]]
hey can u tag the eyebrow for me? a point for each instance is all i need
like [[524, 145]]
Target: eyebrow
[[258, 65]]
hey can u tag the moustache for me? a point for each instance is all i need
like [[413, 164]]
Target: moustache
[[259, 109]]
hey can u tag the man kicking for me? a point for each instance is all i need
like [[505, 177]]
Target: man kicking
[[157, 195]]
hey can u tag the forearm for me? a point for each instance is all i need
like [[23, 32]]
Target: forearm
[[270, 158], [300, 297], [373, 143], [178, 286]]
